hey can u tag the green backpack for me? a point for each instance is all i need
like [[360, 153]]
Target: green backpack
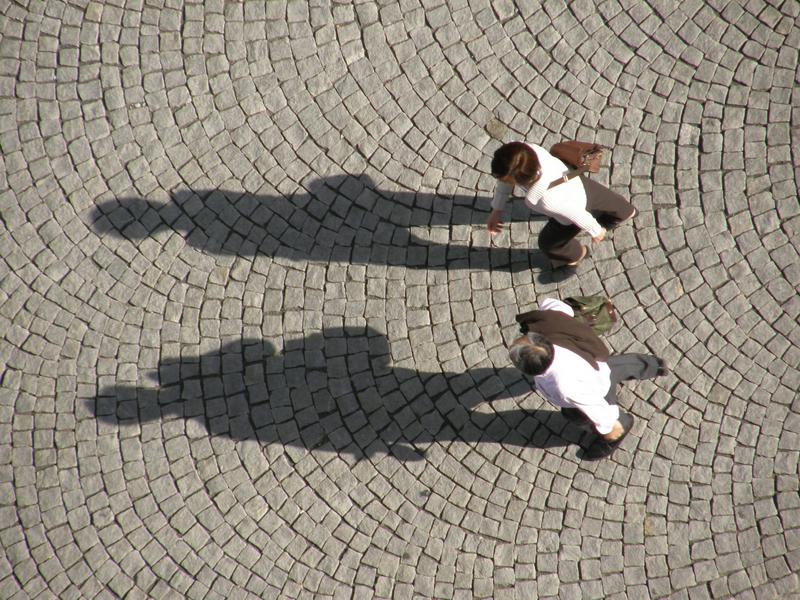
[[596, 311]]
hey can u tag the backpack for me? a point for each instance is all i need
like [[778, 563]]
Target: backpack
[[596, 311]]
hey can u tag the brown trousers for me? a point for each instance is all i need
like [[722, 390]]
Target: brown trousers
[[558, 241]]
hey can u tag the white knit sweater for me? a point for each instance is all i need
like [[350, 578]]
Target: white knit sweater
[[571, 210]]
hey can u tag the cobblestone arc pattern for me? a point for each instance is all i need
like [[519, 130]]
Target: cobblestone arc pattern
[[253, 332]]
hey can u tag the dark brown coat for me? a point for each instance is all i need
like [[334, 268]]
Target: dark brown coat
[[565, 331]]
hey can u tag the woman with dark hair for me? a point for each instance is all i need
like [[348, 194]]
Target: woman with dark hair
[[586, 206]]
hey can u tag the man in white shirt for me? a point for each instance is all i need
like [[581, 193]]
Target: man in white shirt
[[574, 371], [572, 205]]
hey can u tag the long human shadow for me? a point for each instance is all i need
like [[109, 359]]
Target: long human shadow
[[336, 391], [343, 218]]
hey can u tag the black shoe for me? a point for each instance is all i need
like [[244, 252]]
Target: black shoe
[[602, 448], [662, 367], [599, 449], [626, 420]]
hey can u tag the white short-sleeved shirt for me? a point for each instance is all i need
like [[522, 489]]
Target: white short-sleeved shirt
[[571, 382], [571, 210]]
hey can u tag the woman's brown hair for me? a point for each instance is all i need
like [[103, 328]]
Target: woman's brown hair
[[518, 160]]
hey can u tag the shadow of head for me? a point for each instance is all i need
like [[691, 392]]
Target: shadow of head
[[343, 218], [335, 390]]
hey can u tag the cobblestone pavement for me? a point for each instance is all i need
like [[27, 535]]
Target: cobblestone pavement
[[253, 330]]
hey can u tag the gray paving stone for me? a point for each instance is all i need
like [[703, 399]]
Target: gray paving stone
[[384, 392]]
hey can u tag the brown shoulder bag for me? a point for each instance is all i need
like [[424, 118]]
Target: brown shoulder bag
[[579, 155]]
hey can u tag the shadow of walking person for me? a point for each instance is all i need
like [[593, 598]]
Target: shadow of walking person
[[342, 218], [336, 391]]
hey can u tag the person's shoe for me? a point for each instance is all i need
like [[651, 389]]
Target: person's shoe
[[611, 224], [662, 367], [626, 421], [633, 216], [598, 450], [557, 264], [602, 447]]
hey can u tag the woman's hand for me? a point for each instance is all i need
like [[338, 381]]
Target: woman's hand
[[600, 236], [495, 222]]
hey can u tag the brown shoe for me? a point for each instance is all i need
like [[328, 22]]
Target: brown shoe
[[557, 264], [626, 219]]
